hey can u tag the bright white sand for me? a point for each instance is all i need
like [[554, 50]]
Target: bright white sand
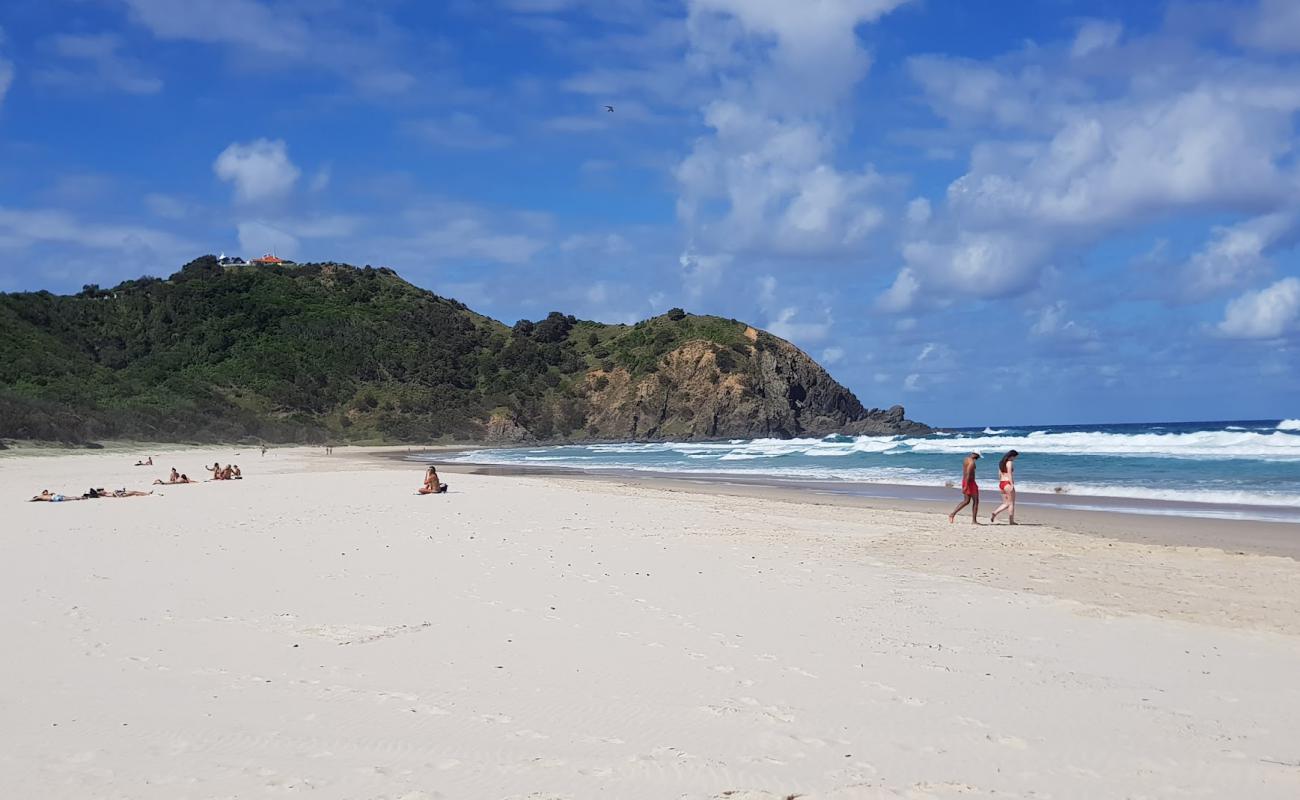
[[318, 630]]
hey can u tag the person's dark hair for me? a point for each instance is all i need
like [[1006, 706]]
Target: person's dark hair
[[1002, 465]]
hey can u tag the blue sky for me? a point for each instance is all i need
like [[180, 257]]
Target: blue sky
[[1013, 212]]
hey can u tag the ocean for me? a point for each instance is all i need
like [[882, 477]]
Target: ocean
[[1243, 469]]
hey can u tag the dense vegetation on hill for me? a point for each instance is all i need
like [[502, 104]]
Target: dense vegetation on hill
[[328, 351]]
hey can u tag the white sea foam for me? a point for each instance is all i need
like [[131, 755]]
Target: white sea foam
[[1199, 444], [994, 431], [1289, 425]]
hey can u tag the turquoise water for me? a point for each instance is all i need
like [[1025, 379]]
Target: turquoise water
[[1242, 463]]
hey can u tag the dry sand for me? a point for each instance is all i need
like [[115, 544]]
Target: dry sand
[[318, 630]]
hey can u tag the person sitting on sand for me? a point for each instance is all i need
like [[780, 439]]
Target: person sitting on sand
[[1007, 485], [431, 483], [148, 462], [215, 469], [970, 490], [46, 496], [235, 474], [226, 473]]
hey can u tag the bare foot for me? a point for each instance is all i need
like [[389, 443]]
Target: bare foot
[[1013, 522], [951, 518]]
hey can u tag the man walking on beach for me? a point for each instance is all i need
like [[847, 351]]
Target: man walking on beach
[[970, 490]]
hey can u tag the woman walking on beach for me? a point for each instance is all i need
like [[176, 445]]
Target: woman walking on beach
[[1007, 485]]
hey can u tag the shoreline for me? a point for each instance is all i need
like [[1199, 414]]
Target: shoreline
[[1253, 536]]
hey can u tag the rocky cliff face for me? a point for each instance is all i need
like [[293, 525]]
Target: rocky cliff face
[[702, 390]]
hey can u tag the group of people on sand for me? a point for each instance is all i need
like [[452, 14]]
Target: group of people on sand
[[230, 472], [970, 490]]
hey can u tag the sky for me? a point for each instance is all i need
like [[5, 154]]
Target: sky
[[1030, 211]]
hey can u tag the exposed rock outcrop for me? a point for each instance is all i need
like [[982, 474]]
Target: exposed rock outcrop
[[702, 390]]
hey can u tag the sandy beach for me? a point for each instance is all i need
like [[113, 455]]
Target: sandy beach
[[319, 630]]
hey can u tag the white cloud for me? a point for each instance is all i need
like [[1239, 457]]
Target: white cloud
[[1067, 151], [1051, 322], [912, 383], [832, 355], [787, 327], [246, 23], [1095, 35], [357, 42], [95, 61], [21, 228], [982, 264], [1265, 314], [902, 294], [1238, 254], [764, 177], [260, 170], [701, 272]]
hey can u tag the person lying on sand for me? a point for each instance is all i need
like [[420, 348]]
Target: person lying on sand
[[46, 496], [94, 493], [431, 483], [148, 462]]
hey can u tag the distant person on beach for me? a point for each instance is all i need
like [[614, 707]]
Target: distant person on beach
[[215, 469], [263, 450], [431, 483], [970, 490], [1007, 485], [226, 473], [175, 477], [148, 462], [235, 474]]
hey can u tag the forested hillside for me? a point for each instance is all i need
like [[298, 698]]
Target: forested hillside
[[331, 352]]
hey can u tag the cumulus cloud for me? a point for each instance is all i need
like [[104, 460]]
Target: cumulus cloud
[[1238, 254], [764, 175], [1067, 150], [1266, 314], [902, 294], [260, 170]]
